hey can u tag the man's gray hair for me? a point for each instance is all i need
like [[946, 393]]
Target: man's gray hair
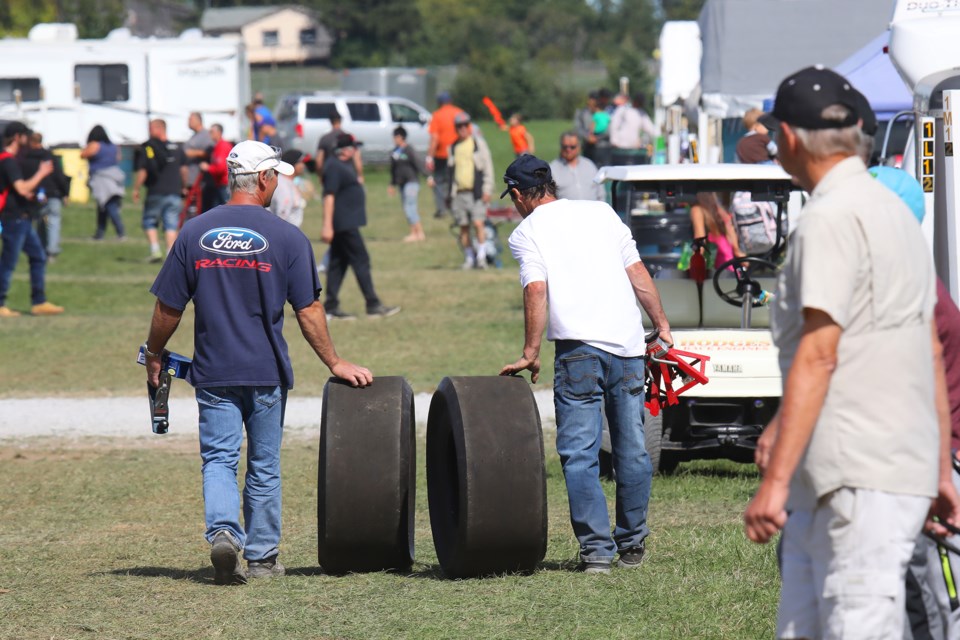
[[569, 134], [822, 143], [245, 182], [866, 148]]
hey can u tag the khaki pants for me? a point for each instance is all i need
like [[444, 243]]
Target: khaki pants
[[844, 565]]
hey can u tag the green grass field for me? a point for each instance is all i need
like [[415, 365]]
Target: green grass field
[[103, 539]]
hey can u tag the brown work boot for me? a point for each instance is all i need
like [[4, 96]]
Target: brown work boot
[[45, 309], [7, 312]]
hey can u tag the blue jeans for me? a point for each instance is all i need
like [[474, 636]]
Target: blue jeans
[[223, 413], [588, 380], [49, 225], [110, 210], [408, 196], [19, 235], [165, 208]]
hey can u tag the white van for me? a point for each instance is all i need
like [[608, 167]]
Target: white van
[[302, 119]]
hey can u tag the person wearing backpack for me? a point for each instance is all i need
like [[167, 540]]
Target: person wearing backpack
[[18, 233], [714, 225], [161, 166]]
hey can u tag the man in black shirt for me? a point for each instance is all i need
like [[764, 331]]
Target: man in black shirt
[[161, 165], [327, 146], [53, 190], [344, 212], [18, 233]]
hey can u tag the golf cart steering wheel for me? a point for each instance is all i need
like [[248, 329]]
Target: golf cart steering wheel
[[743, 268]]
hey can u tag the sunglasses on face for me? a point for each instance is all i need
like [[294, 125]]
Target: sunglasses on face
[[569, 147]]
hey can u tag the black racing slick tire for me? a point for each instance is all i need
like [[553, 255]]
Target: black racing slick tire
[[486, 481], [653, 437], [366, 485]]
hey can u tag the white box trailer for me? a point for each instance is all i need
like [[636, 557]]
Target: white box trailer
[[62, 86]]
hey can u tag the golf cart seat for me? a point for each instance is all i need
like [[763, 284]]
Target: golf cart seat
[[679, 299]]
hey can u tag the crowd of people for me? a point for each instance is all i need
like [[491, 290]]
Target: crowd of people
[[858, 318]]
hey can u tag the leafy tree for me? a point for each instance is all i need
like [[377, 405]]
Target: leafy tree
[[17, 16], [369, 32], [94, 18], [682, 9]]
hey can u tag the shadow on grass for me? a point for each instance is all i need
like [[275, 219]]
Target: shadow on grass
[[200, 576], [739, 471], [431, 571]]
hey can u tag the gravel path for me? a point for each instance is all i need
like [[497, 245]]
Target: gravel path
[[130, 417]]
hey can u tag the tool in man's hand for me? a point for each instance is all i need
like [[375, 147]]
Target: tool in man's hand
[[172, 365], [664, 365]]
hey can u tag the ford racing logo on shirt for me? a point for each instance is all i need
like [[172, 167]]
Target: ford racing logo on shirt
[[233, 241]]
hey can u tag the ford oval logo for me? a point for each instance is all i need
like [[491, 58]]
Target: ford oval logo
[[233, 241]]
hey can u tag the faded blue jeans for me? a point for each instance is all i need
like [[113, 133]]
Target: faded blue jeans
[[409, 194], [223, 413], [19, 235], [588, 381]]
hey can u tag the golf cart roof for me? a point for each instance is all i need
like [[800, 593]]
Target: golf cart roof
[[674, 181]]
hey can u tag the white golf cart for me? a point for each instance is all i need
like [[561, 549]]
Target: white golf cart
[[723, 318]]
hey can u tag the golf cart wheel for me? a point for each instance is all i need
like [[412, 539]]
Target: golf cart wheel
[[668, 463], [744, 285], [653, 436], [366, 483], [486, 481]]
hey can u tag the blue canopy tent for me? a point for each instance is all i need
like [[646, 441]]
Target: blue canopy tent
[[872, 73]]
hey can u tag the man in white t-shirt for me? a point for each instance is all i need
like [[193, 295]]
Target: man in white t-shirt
[[578, 258], [860, 445]]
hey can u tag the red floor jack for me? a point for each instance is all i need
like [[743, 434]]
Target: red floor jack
[[173, 365], [664, 365]]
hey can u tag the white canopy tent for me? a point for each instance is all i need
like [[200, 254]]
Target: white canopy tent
[[749, 46]]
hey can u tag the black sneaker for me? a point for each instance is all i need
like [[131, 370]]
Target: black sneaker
[[382, 311], [225, 558], [594, 567], [337, 314], [269, 568], [631, 558]]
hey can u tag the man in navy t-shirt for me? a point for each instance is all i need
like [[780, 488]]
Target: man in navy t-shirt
[[240, 264]]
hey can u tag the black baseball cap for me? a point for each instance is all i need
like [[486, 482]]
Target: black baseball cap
[[868, 119], [347, 140], [292, 156], [525, 172], [15, 129], [802, 97]]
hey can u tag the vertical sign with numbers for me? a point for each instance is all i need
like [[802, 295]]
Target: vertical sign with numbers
[[926, 154]]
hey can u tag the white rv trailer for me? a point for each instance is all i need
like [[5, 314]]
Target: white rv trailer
[[62, 86]]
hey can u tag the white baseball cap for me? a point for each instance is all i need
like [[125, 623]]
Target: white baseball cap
[[251, 156]]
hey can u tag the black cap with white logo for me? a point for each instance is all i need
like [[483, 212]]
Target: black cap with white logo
[[803, 96]]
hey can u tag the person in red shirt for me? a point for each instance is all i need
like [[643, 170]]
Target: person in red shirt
[[215, 188], [520, 138], [443, 133]]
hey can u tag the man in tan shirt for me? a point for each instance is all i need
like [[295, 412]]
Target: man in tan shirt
[[860, 446]]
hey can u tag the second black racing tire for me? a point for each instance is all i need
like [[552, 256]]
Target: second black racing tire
[[486, 482]]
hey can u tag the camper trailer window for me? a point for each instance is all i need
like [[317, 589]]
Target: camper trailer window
[[364, 111], [308, 37], [403, 113], [319, 110], [103, 82], [29, 89], [271, 38]]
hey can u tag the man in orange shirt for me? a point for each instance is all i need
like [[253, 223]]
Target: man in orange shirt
[[443, 134], [520, 138]]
